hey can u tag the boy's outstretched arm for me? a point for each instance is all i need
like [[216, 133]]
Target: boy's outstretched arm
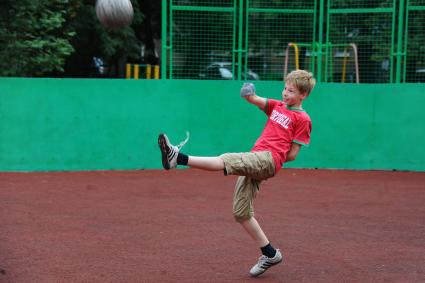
[[257, 100], [248, 92]]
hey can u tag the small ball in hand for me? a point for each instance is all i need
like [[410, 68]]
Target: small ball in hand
[[247, 89]]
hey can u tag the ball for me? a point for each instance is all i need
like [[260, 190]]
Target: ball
[[114, 13]]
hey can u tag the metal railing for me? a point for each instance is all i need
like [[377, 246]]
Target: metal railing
[[359, 41]]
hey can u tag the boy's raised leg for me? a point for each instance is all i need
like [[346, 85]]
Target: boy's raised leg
[[170, 157], [169, 152], [206, 163]]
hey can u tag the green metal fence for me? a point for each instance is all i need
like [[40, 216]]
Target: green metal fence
[[414, 55], [357, 41], [276, 34]]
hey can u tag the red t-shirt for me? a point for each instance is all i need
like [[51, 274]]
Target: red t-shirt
[[284, 126]]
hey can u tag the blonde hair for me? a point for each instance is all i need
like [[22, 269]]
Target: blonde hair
[[303, 80]]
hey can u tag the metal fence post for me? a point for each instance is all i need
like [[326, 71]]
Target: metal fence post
[[320, 42], [170, 47], [313, 42], [240, 41], [164, 48], [392, 50], [399, 53]]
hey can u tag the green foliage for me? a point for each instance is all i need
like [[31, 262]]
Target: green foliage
[[38, 38], [35, 36], [111, 41]]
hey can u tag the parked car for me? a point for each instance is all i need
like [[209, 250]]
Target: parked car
[[419, 76], [223, 71]]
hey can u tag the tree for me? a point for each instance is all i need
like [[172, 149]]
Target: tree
[[114, 47], [34, 36], [59, 38], [150, 31]]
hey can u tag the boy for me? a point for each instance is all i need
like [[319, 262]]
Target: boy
[[287, 128]]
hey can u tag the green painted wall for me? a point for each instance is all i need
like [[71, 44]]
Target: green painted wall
[[65, 124]]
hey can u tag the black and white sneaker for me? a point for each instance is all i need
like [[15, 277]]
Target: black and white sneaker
[[169, 152], [265, 263]]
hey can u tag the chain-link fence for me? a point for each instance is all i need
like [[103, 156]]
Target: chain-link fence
[[199, 35], [271, 27], [357, 41], [414, 67]]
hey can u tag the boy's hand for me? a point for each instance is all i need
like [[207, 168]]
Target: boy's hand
[[247, 90]]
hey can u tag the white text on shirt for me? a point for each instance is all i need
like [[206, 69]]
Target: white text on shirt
[[280, 118]]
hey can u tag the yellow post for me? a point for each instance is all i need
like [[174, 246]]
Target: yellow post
[[148, 71], [297, 56], [156, 72], [297, 63], [136, 71], [344, 66], [128, 71]]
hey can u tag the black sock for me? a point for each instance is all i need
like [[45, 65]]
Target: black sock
[[268, 251], [182, 159]]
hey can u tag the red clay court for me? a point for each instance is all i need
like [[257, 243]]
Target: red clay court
[[176, 226]]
